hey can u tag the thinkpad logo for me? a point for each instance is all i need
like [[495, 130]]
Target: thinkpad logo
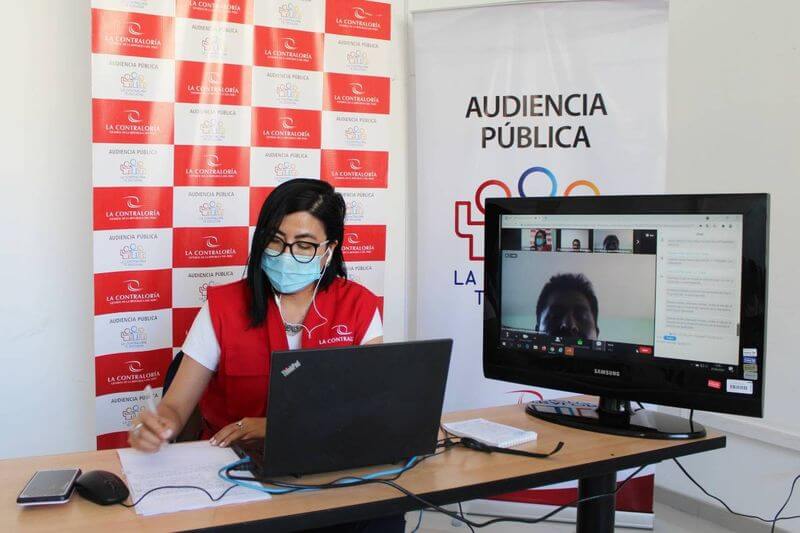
[[291, 368]]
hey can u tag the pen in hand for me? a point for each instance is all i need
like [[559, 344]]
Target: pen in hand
[[151, 405]]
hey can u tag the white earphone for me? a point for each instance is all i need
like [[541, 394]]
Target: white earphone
[[313, 298]]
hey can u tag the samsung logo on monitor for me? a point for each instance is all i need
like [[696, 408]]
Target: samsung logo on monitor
[[604, 372]]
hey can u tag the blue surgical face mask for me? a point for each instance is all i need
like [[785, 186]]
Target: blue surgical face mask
[[287, 275]]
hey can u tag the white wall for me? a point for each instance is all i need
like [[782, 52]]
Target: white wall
[[396, 294], [47, 377], [734, 125]]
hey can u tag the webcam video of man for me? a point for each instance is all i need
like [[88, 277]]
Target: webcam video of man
[[599, 303], [567, 307]]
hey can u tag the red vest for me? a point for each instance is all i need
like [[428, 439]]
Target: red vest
[[238, 388]]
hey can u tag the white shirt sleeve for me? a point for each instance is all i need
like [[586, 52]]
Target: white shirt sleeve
[[375, 328], [201, 343]]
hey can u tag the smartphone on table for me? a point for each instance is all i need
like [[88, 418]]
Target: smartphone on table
[[48, 487]]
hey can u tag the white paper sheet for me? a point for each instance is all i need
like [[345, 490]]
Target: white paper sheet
[[490, 433], [188, 463]]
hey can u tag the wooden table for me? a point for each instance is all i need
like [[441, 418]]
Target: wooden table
[[456, 475]]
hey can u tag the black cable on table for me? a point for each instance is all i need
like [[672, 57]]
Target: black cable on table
[[212, 498]]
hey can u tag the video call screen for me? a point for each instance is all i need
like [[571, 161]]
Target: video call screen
[[626, 286]]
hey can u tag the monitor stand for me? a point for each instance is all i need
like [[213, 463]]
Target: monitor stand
[[616, 417]]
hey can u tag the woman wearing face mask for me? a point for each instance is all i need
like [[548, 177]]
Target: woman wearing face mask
[[540, 241], [296, 295]]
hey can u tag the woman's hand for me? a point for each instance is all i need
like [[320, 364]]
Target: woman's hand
[[246, 428], [151, 430]]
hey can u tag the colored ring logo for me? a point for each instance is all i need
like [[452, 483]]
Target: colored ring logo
[[554, 183], [483, 186], [582, 183], [532, 170]]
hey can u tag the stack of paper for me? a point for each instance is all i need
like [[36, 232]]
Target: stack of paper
[[189, 463], [490, 433]]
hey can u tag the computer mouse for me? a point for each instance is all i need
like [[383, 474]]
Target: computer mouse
[[101, 487]]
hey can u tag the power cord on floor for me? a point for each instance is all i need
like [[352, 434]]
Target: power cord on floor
[[419, 521], [774, 520], [777, 518], [463, 518]]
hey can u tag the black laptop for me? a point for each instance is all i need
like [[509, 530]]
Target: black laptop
[[339, 408]]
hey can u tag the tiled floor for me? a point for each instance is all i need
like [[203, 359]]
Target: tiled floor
[[668, 520]]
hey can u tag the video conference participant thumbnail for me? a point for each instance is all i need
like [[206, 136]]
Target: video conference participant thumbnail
[[541, 240], [534, 239], [613, 240], [574, 240]]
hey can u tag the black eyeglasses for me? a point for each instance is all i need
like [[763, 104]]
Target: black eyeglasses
[[302, 251]]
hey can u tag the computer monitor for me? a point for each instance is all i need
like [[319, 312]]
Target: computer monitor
[[658, 299]]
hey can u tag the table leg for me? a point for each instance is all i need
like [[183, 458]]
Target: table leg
[[597, 516]]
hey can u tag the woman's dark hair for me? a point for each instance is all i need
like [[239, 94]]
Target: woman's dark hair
[[318, 199], [611, 242]]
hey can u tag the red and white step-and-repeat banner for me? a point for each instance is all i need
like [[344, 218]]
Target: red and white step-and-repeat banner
[[530, 99], [199, 110]]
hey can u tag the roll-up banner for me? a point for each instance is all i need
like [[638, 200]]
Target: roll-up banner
[[531, 99], [199, 110]]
